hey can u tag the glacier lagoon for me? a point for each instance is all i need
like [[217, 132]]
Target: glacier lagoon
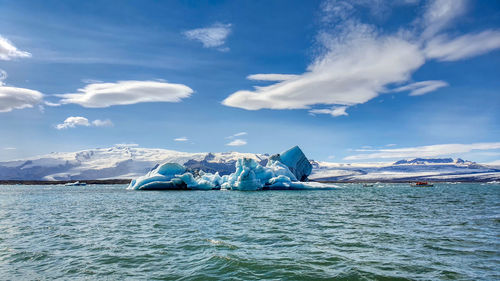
[[385, 232]]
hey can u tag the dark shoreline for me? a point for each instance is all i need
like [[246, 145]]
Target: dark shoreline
[[38, 182], [127, 181]]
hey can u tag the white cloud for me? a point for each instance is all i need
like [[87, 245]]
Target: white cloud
[[342, 10], [74, 121], [3, 76], [334, 111], [271, 77], [18, 98], [237, 142], [9, 148], [91, 81], [126, 92], [390, 144], [237, 135], [126, 145], [212, 36], [48, 103], [358, 63], [440, 14], [422, 88], [465, 46], [423, 151], [102, 123], [181, 139], [8, 51], [356, 67]]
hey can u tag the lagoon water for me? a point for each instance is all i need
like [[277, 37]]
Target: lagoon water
[[386, 232]]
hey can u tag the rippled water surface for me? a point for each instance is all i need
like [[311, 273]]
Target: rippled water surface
[[353, 233]]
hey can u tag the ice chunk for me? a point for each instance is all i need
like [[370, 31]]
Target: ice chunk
[[280, 169], [296, 162], [205, 181], [249, 175], [161, 177], [170, 169]]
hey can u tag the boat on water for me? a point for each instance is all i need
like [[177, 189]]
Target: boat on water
[[76, 183], [422, 184], [368, 185]]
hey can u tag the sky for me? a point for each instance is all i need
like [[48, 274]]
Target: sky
[[347, 81]]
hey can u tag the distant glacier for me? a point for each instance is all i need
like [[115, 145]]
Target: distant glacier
[[126, 162]]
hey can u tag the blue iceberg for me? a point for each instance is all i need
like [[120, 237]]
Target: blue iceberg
[[282, 171], [163, 176], [296, 162]]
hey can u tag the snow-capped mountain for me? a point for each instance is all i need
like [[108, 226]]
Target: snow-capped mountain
[[118, 162], [430, 169], [126, 162]]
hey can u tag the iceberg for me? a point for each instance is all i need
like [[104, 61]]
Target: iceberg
[[282, 171], [296, 162], [161, 177]]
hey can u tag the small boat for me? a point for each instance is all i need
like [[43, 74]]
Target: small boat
[[76, 183], [368, 185], [422, 184]]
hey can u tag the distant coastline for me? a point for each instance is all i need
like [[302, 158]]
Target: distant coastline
[[41, 182], [127, 181]]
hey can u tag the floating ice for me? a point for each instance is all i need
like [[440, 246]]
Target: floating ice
[[280, 172], [161, 177], [296, 162]]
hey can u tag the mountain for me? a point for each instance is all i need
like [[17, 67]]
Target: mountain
[[126, 162], [428, 169], [118, 162]]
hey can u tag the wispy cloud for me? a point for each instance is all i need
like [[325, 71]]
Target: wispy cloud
[[334, 111], [359, 62], [213, 36], [127, 144], [422, 151], [357, 66], [181, 139], [9, 148], [271, 77], [469, 45], [126, 92], [237, 142], [8, 51], [102, 123], [75, 121], [422, 88], [440, 14], [3, 76], [91, 81], [237, 135]]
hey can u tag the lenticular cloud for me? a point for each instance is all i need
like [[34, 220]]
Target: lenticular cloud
[[18, 98], [127, 92]]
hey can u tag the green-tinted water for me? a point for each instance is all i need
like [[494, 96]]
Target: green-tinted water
[[384, 232]]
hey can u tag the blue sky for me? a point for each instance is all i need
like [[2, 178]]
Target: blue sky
[[348, 81]]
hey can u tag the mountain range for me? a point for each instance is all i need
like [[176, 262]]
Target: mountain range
[[127, 162]]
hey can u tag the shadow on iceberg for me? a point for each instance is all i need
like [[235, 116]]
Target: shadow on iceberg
[[286, 171]]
